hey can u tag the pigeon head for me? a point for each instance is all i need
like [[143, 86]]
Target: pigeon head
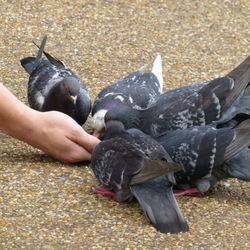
[[113, 128], [128, 116], [70, 86], [122, 113]]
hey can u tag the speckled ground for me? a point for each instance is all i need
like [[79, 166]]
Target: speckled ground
[[49, 205]]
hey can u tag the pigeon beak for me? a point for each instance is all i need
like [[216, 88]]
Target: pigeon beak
[[73, 99], [97, 134]]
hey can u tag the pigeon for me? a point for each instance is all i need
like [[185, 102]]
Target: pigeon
[[194, 105], [137, 166], [137, 90], [53, 86], [208, 154]]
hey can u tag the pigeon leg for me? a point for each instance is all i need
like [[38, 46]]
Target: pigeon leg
[[104, 191], [188, 192], [177, 192]]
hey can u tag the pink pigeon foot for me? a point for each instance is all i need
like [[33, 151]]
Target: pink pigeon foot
[[104, 191], [188, 192], [107, 192]]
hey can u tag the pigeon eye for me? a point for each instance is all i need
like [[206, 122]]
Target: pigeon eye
[[108, 119], [66, 88]]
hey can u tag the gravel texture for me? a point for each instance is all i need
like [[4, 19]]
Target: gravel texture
[[49, 205]]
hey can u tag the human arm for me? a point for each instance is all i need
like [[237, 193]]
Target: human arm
[[53, 132]]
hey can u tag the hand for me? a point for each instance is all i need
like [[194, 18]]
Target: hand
[[53, 132], [61, 137]]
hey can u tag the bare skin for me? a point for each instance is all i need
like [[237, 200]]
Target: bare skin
[[52, 132]]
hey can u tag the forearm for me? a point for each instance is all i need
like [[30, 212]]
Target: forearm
[[53, 132], [16, 119]]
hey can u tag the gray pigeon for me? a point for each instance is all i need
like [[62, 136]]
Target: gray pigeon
[[137, 166], [53, 86], [137, 90], [189, 106], [208, 154]]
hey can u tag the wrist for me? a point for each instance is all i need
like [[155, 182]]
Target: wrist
[[22, 125], [16, 118]]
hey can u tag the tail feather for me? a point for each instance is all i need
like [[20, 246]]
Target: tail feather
[[41, 48], [241, 77], [159, 205], [143, 69], [157, 70], [30, 63], [241, 72], [55, 61], [240, 142]]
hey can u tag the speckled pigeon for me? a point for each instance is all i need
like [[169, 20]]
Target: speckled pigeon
[[138, 90], [138, 166], [53, 86], [198, 104], [208, 154]]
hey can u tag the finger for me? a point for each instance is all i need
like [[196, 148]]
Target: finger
[[87, 141], [77, 154]]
